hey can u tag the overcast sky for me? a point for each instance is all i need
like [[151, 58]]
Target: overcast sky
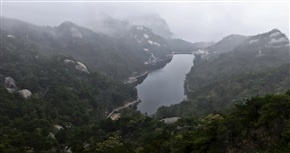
[[199, 21]]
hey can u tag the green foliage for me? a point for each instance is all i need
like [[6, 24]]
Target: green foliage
[[249, 127], [61, 95], [219, 81], [261, 124]]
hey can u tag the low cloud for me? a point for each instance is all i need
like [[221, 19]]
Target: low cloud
[[193, 21]]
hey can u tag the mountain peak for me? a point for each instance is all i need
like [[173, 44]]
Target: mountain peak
[[67, 24], [70, 28], [154, 22], [227, 44], [274, 33], [272, 39], [275, 30]]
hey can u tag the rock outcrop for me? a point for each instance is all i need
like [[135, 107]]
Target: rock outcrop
[[10, 84], [82, 67], [57, 128], [170, 120], [25, 93], [78, 65]]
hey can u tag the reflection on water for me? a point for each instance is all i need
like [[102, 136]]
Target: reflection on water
[[165, 86]]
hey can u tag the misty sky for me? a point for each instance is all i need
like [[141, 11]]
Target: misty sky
[[199, 21]]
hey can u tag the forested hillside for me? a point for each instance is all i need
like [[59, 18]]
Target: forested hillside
[[41, 95], [117, 56], [58, 85], [261, 124], [61, 80], [228, 43], [257, 66]]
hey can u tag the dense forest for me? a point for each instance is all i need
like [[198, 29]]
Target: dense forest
[[43, 94], [261, 124]]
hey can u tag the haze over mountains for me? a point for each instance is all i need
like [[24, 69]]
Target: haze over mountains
[[126, 50], [120, 40], [228, 43], [136, 44], [59, 85], [190, 21]]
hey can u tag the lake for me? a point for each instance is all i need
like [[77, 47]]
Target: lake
[[165, 86]]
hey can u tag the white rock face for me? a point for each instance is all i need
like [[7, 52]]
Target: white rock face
[[150, 42], [170, 120], [254, 41], [275, 34], [82, 67], [58, 127], [10, 36], [75, 33], [67, 149], [146, 36], [131, 80], [155, 43], [115, 116], [25, 93], [51, 135], [277, 41], [66, 61], [10, 84], [78, 65], [201, 52]]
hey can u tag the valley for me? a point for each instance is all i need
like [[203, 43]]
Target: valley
[[109, 84]]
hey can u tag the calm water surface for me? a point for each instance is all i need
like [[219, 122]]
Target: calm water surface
[[165, 86]]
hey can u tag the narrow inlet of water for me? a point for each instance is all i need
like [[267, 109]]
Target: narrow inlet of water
[[165, 86]]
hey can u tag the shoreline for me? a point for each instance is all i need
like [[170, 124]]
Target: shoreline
[[116, 110], [136, 80]]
